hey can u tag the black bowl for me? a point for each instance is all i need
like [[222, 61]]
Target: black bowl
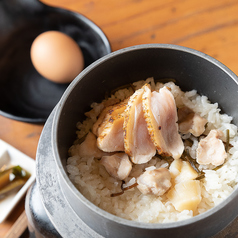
[[24, 94], [191, 70]]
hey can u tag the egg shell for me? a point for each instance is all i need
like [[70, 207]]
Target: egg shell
[[56, 56]]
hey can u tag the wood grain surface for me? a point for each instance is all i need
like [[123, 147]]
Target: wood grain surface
[[207, 26]]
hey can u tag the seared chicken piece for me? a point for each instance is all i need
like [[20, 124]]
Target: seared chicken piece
[[106, 114], [137, 142], [189, 121], [185, 195], [118, 165], [111, 137], [89, 148], [161, 117], [110, 131], [100, 119], [155, 181], [211, 149]]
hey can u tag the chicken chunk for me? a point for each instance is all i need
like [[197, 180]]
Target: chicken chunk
[[89, 148], [211, 149], [137, 142], [155, 181], [118, 165], [161, 118], [189, 121], [110, 132]]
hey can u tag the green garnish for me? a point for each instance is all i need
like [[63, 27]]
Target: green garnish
[[227, 140], [187, 157]]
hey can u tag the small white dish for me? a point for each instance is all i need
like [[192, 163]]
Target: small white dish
[[15, 157]]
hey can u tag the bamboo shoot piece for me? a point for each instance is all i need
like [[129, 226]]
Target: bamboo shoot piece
[[185, 195]]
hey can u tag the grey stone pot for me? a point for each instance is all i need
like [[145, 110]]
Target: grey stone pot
[[192, 70]]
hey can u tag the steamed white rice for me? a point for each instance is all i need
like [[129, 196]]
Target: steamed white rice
[[92, 180]]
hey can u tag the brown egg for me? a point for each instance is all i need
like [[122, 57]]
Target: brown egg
[[56, 56]]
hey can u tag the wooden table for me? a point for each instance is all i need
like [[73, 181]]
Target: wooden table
[[207, 26]]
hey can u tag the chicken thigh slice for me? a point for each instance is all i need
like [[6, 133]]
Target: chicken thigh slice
[[137, 142], [110, 129], [106, 114], [111, 137], [161, 118], [100, 119]]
